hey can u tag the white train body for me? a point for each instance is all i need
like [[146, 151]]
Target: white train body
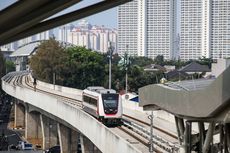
[[104, 104]]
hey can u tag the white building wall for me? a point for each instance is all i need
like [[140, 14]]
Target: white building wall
[[220, 66], [160, 28], [127, 28], [220, 41], [104, 42], [191, 29], [155, 24], [206, 28], [142, 25], [113, 39]]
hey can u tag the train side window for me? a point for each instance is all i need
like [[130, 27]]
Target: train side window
[[86, 99], [90, 100], [93, 101]]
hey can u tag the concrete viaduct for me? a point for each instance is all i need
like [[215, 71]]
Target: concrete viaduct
[[50, 120]]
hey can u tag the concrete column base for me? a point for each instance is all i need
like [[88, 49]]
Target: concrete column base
[[49, 132], [68, 139], [87, 146], [19, 112], [33, 132]]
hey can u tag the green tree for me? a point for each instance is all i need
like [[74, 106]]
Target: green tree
[[139, 78], [85, 68], [10, 66], [141, 61], [159, 59], [205, 61], [49, 60]]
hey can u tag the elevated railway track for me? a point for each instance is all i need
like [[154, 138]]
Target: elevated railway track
[[135, 131]]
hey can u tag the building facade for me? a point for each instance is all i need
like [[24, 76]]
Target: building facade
[[94, 37], [220, 34], [148, 28], [190, 29], [128, 28], [185, 29]]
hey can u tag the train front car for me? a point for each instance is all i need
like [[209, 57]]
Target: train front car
[[110, 111], [104, 104]]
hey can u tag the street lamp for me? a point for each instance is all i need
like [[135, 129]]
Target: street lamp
[[127, 62], [110, 54]]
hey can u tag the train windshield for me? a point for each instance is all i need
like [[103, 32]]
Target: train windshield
[[110, 100]]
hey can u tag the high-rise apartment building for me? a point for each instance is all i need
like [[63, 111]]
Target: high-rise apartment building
[[190, 29], [128, 28], [148, 27], [92, 37], [220, 25], [63, 32], [157, 28], [205, 28], [185, 29]]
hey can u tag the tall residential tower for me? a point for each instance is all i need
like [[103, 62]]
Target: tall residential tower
[[185, 29], [147, 28], [127, 28]]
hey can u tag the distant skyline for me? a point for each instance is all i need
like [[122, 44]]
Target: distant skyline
[[107, 18]]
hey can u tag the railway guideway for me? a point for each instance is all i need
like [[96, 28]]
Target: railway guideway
[[202, 102], [101, 136]]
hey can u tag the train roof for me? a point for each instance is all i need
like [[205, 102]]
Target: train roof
[[100, 90]]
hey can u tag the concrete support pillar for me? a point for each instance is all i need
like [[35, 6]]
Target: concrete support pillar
[[178, 130], [33, 131], [221, 138], [19, 119], [181, 127], [226, 141], [68, 139], [43, 132], [188, 137], [208, 138], [49, 132], [74, 141], [64, 134], [201, 135], [82, 144], [87, 146]]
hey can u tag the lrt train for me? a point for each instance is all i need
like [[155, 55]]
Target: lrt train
[[104, 104]]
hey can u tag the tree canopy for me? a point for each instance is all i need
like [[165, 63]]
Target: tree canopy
[[49, 60], [85, 68], [79, 67]]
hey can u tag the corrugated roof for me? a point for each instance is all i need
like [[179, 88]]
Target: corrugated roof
[[190, 85]]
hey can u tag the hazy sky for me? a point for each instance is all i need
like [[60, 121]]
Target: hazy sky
[[107, 18]]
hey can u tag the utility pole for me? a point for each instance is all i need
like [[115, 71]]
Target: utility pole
[[110, 52], [151, 148], [54, 79], [126, 68]]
